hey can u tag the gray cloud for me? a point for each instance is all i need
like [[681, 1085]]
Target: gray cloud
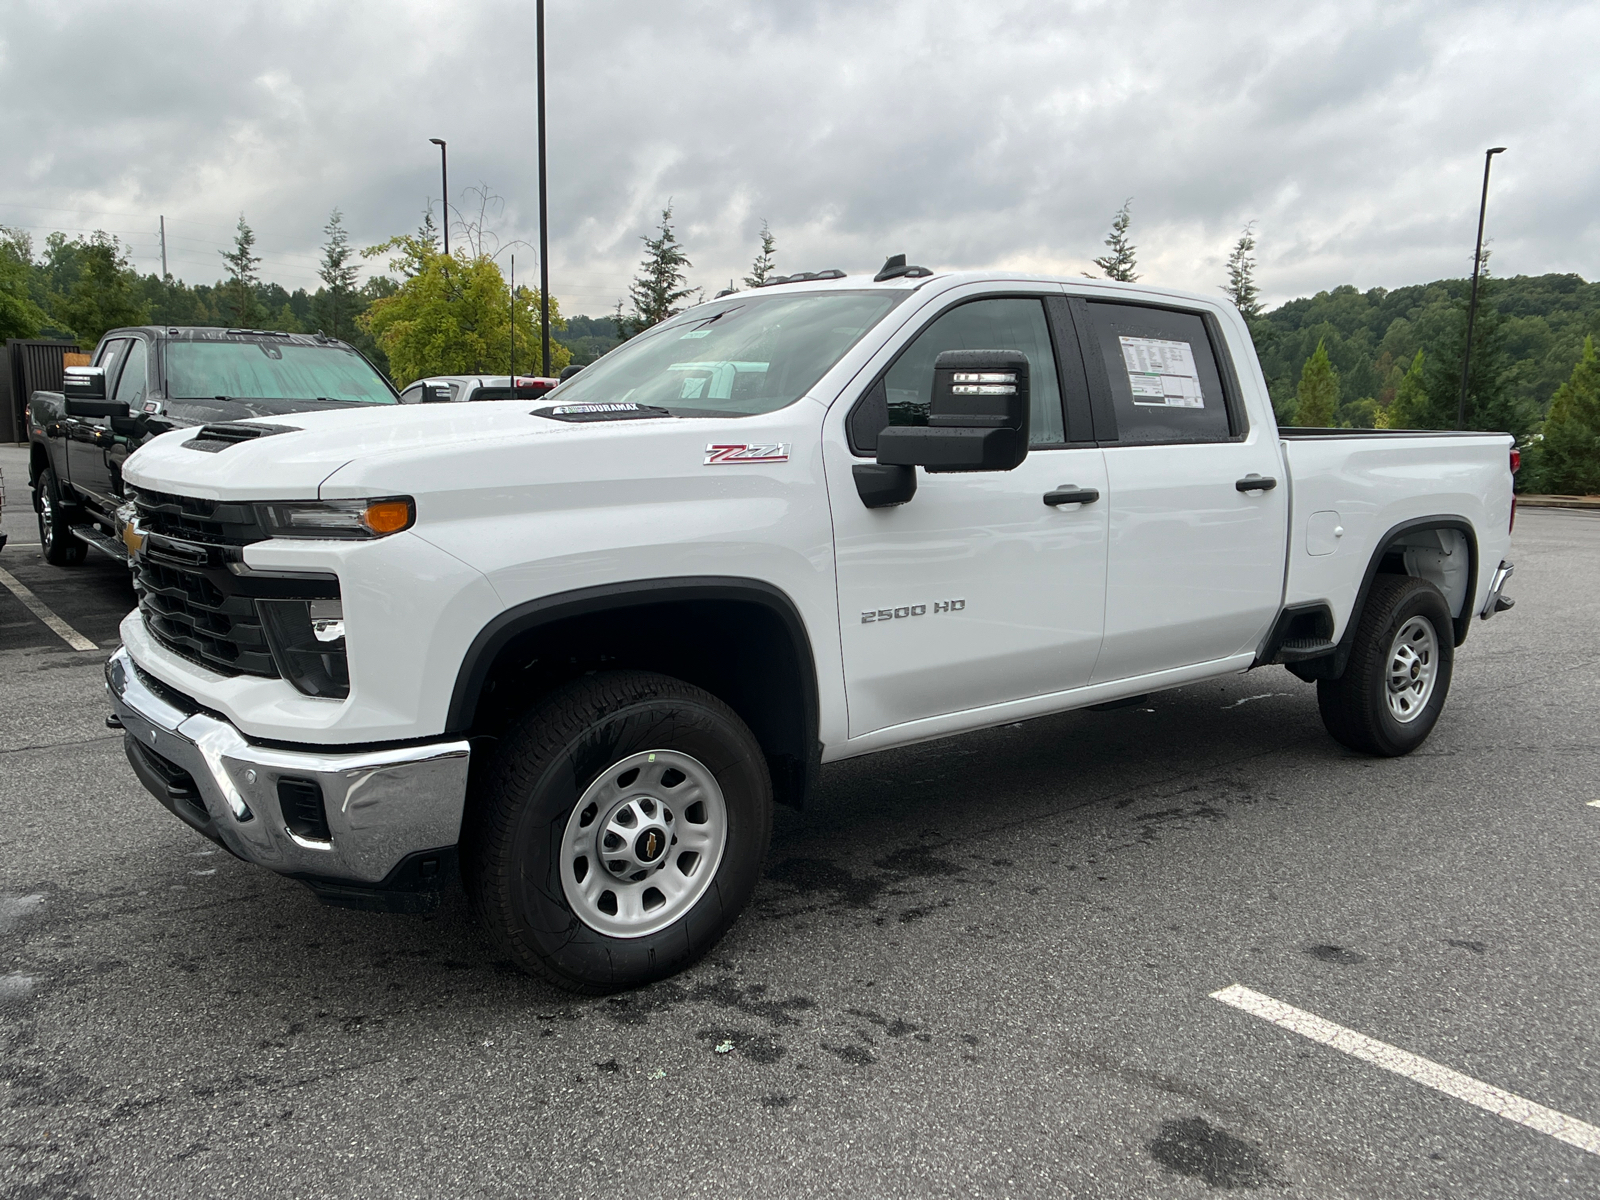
[[1003, 134]]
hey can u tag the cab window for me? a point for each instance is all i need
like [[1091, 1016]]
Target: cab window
[[903, 394]]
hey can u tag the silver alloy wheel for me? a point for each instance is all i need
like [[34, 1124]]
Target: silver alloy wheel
[[47, 521], [643, 843], [1413, 668]]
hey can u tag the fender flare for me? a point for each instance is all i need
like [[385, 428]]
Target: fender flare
[[532, 614], [1462, 622]]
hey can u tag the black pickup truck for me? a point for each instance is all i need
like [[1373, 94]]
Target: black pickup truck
[[147, 380]]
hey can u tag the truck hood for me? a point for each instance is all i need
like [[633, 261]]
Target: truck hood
[[293, 464], [182, 413]]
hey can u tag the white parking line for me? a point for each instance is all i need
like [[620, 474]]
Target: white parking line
[[37, 607], [1422, 1070], [1594, 804]]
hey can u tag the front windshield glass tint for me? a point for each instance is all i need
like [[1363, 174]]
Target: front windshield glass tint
[[272, 371], [749, 354]]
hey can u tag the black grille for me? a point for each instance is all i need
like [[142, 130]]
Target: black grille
[[189, 613], [197, 598], [213, 522]]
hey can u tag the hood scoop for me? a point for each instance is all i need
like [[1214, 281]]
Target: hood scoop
[[215, 438]]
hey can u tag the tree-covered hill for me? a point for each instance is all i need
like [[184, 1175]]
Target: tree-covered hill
[[1529, 337]]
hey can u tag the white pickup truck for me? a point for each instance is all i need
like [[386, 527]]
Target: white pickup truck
[[590, 642]]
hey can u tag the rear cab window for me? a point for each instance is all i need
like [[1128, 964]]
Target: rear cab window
[[1162, 380]]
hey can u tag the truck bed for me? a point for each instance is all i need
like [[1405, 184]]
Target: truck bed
[[1350, 489]]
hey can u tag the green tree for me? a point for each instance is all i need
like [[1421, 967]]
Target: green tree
[[20, 317], [1120, 262], [1319, 392], [1566, 460], [1241, 286], [1410, 407], [762, 269], [242, 274], [454, 317], [103, 293], [1490, 405], [660, 283], [335, 301]]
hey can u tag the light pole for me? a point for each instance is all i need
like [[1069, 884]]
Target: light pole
[[1472, 304], [544, 209], [444, 185]]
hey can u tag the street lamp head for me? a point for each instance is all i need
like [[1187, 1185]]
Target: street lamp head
[[1496, 150], [437, 141]]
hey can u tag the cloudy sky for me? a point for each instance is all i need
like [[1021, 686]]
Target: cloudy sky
[[995, 134]]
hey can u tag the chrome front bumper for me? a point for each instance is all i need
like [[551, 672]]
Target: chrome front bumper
[[381, 805]]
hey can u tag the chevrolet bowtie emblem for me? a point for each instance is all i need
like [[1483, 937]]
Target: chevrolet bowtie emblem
[[650, 846], [132, 539]]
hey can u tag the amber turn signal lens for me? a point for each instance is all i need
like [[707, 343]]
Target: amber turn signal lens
[[387, 516]]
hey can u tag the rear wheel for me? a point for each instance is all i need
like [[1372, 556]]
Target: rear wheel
[[618, 831], [1394, 686], [55, 535]]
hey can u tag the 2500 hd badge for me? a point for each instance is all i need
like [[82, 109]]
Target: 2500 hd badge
[[910, 610]]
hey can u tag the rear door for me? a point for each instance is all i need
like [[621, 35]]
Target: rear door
[[1195, 570], [976, 591]]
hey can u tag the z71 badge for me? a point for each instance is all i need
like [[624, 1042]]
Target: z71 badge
[[726, 455]]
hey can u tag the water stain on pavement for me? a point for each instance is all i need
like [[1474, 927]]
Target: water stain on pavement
[[1196, 1148], [1337, 955]]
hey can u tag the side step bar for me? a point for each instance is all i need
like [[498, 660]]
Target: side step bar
[[91, 535]]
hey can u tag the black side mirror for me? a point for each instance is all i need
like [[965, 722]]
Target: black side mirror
[[978, 418], [568, 372], [85, 392], [435, 393]]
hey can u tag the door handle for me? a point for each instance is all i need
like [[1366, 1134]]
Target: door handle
[[1256, 483], [1071, 494]]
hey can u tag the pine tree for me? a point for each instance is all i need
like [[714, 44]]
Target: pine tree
[[762, 269], [1241, 286], [1120, 262], [660, 284], [1319, 392], [242, 276], [1409, 408], [338, 274], [1567, 458]]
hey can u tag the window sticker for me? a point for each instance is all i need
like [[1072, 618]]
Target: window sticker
[[1162, 373]]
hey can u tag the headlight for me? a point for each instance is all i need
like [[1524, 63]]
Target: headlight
[[338, 518], [307, 639]]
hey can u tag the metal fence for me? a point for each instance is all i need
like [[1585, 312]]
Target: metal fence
[[30, 366]]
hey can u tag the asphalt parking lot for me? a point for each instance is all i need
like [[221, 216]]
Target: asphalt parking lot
[[984, 966]]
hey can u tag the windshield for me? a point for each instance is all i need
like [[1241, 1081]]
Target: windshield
[[749, 354], [272, 371]]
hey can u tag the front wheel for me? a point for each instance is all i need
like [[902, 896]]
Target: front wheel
[[617, 831], [1394, 686], [56, 542]]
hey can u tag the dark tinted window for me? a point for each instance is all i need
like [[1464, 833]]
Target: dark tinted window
[[1164, 382], [904, 393], [131, 383]]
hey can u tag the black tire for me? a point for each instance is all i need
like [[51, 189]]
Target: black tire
[[518, 813], [56, 542], [1356, 706]]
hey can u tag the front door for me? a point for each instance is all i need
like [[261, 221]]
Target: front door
[[90, 438], [976, 591]]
